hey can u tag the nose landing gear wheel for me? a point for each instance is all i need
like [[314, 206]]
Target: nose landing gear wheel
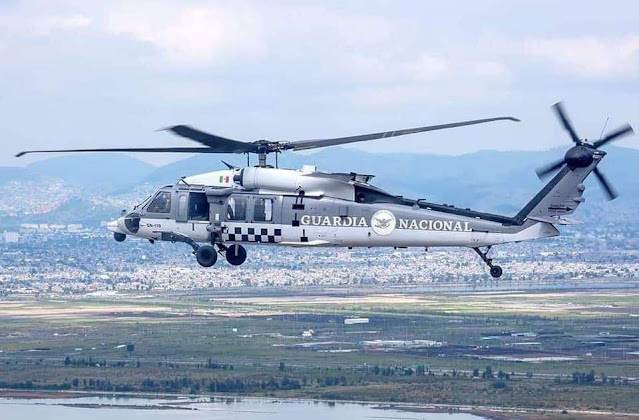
[[496, 271], [206, 255], [235, 254]]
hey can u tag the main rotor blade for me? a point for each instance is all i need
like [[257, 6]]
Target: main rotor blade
[[219, 144], [610, 192], [559, 109], [622, 131], [545, 170], [312, 144], [145, 150]]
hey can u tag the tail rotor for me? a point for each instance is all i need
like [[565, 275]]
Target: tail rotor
[[581, 154]]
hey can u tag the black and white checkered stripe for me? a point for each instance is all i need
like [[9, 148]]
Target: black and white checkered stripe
[[268, 235]]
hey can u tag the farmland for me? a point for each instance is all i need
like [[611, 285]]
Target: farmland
[[548, 350]]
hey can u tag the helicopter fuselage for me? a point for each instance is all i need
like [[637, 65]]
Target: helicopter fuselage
[[321, 221], [307, 208]]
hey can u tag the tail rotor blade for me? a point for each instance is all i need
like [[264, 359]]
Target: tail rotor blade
[[545, 170], [622, 131], [610, 192], [563, 117]]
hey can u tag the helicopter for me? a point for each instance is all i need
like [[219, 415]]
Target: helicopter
[[220, 212]]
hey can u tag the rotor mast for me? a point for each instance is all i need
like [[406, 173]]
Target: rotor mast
[[262, 159], [264, 147]]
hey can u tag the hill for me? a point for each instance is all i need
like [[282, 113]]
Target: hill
[[487, 180], [107, 170]]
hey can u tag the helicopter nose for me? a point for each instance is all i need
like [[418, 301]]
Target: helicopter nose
[[114, 226]]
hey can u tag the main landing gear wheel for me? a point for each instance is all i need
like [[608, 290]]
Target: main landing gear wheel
[[236, 254], [206, 255], [495, 270], [119, 237]]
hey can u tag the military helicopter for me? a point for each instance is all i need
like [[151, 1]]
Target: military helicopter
[[219, 212]]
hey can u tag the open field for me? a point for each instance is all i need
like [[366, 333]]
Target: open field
[[574, 350]]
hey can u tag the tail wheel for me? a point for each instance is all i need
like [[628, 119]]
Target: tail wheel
[[236, 254], [206, 256]]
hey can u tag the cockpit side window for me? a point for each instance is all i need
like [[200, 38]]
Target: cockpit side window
[[161, 203], [236, 208], [263, 210]]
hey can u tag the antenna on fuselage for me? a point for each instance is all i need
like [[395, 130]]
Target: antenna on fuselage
[[228, 165], [604, 128]]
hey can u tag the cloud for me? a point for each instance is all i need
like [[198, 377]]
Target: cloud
[[296, 68], [75, 21], [427, 67], [430, 78], [191, 34], [491, 69], [44, 25], [589, 57]]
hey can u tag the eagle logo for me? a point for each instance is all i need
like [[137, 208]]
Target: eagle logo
[[383, 222]]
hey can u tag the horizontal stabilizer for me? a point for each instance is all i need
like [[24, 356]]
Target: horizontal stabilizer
[[534, 231], [557, 220]]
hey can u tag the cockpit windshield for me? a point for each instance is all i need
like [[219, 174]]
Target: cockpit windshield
[[143, 203], [161, 203]]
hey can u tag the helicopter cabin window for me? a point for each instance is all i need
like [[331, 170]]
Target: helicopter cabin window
[[263, 210], [236, 208], [161, 203], [198, 206], [181, 210]]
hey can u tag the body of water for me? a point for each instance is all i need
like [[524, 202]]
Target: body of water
[[125, 408]]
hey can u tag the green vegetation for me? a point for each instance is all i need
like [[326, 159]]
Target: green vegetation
[[573, 351]]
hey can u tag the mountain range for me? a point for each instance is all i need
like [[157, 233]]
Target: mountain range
[[107, 170], [487, 180]]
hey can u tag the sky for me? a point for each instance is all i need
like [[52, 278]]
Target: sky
[[83, 73]]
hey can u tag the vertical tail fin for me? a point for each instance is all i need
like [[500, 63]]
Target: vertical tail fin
[[561, 195]]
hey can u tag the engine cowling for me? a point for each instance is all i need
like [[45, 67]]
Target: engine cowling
[[279, 180], [309, 181]]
